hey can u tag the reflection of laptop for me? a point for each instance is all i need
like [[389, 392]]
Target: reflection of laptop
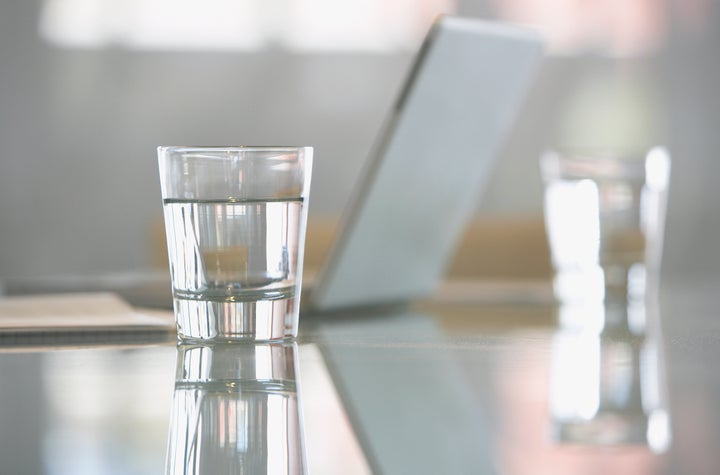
[[422, 183]]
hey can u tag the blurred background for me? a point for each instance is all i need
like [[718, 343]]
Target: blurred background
[[89, 88]]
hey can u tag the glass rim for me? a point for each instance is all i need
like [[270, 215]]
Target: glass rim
[[591, 155], [231, 148], [654, 165]]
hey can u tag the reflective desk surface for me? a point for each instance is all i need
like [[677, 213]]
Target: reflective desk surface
[[445, 387]]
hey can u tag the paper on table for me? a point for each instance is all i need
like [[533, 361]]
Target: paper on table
[[74, 313]]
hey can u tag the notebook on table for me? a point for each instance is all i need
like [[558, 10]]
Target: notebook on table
[[77, 319]]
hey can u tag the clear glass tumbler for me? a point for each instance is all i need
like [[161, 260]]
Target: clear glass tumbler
[[235, 222], [604, 215]]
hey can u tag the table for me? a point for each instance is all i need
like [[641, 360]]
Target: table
[[454, 386]]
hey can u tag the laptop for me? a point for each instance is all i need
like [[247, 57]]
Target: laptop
[[423, 179]]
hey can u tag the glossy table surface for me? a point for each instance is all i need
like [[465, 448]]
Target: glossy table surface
[[454, 386]]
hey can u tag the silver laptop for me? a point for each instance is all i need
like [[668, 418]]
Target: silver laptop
[[423, 180]]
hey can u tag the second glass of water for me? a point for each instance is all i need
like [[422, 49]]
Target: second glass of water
[[235, 221], [604, 217]]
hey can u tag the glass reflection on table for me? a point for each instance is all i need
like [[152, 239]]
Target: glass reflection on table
[[236, 409], [607, 384]]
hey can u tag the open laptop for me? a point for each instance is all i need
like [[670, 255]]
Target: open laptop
[[423, 180]]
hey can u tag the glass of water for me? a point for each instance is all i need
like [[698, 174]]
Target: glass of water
[[235, 222], [604, 216]]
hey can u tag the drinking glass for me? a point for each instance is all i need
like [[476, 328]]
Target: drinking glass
[[235, 222], [604, 216]]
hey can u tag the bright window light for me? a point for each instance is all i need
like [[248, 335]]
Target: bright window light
[[244, 25], [152, 24]]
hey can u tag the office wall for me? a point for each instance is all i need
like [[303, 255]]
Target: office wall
[[78, 177]]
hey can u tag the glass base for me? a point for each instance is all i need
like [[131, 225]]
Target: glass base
[[604, 429], [261, 320]]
